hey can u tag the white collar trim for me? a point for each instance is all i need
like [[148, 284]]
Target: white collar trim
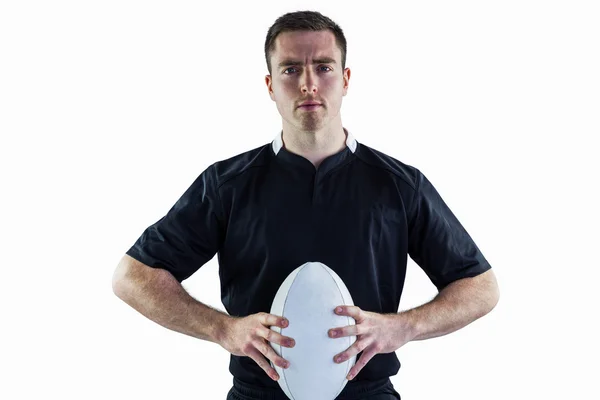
[[278, 141]]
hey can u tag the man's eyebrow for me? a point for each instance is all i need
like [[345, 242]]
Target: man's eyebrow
[[325, 60]]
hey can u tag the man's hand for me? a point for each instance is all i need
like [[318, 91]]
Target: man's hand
[[250, 336], [376, 333], [457, 305]]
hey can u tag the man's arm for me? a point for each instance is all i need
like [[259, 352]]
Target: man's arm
[[457, 305], [157, 295]]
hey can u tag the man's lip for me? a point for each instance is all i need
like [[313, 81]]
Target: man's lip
[[310, 105]]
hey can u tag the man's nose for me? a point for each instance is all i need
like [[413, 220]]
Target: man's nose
[[309, 83]]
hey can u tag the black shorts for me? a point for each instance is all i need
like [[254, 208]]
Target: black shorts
[[380, 390]]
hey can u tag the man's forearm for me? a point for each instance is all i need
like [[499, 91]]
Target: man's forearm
[[456, 306], [161, 298]]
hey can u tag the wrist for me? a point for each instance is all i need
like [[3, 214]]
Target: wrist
[[221, 328], [408, 324]]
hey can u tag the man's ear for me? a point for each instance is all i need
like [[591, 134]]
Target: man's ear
[[346, 81], [269, 82]]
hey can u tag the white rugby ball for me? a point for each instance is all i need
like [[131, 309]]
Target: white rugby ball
[[307, 298]]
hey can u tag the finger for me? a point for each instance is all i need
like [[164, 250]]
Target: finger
[[364, 359], [356, 348], [263, 363], [268, 352], [272, 320], [350, 330], [274, 337], [351, 311]]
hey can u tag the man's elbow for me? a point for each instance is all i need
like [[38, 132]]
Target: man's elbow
[[117, 282], [121, 277], [492, 291]]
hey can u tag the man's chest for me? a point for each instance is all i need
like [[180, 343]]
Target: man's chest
[[297, 218]]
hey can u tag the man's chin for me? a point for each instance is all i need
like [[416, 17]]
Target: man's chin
[[311, 128], [311, 124]]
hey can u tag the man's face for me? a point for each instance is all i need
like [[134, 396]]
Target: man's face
[[318, 77]]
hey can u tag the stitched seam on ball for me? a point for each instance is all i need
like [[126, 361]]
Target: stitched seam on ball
[[347, 323], [284, 304]]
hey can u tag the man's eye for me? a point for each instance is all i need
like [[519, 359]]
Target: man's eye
[[287, 69]]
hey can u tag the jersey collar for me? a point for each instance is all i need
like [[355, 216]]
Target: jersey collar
[[278, 141], [333, 161]]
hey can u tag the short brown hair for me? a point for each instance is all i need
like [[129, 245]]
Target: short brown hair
[[303, 21]]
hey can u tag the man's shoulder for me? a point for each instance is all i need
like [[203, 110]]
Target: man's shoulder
[[384, 162], [238, 164]]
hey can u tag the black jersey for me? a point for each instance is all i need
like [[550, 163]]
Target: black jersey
[[267, 211]]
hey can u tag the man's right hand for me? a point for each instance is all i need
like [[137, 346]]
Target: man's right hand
[[250, 336]]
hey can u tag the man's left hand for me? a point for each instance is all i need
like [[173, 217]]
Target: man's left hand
[[376, 333]]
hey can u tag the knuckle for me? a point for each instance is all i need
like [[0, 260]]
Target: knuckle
[[270, 334], [247, 348], [267, 348], [261, 363], [257, 347]]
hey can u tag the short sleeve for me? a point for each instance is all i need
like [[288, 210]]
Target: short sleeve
[[438, 242], [189, 235]]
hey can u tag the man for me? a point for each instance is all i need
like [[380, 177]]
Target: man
[[313, 194]]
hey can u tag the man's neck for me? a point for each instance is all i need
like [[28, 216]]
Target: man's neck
[[315, 146]]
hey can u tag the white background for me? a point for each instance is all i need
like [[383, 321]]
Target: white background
[[109, 110]]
